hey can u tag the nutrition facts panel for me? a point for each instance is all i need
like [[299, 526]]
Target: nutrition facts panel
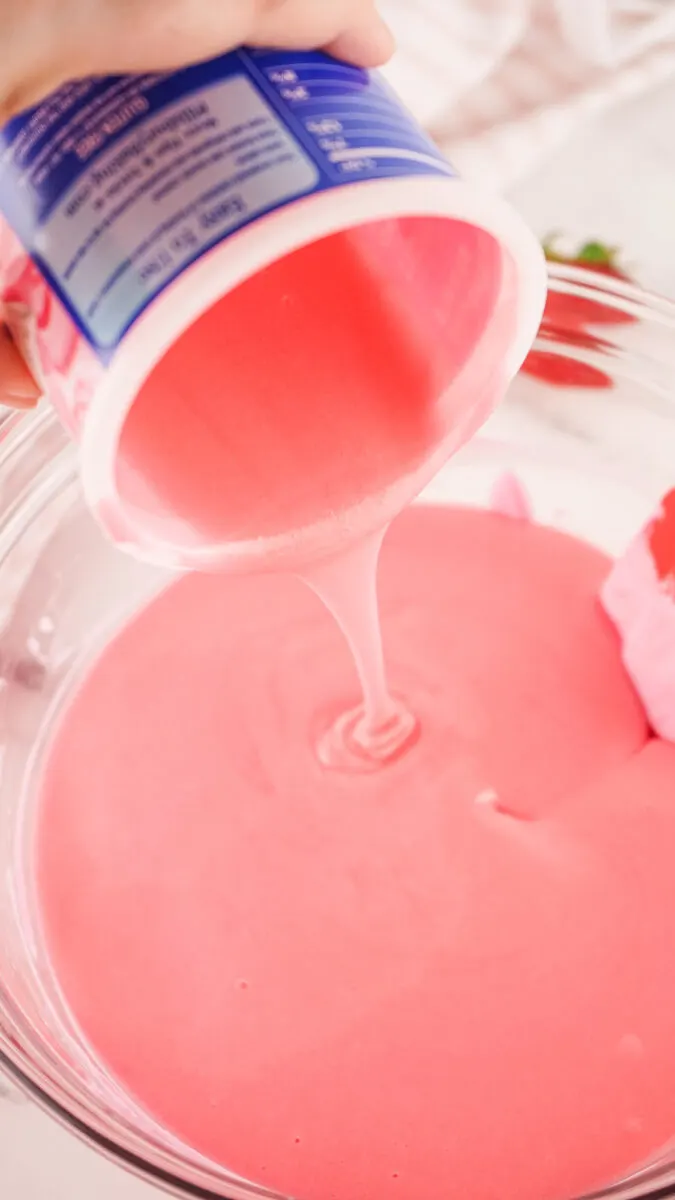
[[349, 118]]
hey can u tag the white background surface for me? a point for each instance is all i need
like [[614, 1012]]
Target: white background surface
[[39, 1161], [615, 182]]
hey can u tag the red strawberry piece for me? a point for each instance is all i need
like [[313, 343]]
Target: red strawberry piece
[[573, 337], [560, 371], [662, 540], [574, 311]]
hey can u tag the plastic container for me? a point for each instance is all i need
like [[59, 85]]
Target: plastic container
[[259, 268], [594, 463]]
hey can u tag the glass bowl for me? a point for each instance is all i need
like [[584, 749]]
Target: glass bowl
[[595, 460]]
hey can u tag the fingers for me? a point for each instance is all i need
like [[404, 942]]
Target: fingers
[[18, 389], [145, 34], [46, 42], [112, 36], [349, 29], [370, 45]]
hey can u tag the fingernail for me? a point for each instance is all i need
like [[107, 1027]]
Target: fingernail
[[20, 397], [18, 388]]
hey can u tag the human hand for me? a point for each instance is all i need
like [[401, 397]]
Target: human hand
[[46, 42], [18, 389]]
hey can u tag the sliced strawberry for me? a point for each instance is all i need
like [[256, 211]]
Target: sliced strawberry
[[561, 371], [595, 256], [662, 540], [574, 311], [579, 311], [573, 337]]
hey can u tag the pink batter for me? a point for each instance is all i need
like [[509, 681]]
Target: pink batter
[[352, 387], [452, 977]]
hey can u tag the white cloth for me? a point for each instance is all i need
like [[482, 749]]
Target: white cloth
[[501, 82]]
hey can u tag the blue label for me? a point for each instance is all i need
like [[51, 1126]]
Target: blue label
[[115, 186]]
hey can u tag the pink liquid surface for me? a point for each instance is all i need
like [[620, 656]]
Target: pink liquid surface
[[451, 977], [321, 382]]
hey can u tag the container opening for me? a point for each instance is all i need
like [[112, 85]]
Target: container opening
[[316, 385]]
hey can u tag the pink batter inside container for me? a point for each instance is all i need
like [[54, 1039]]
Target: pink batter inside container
[[260, 300]]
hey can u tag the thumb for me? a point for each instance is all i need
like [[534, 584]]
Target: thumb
[[368, 43], [18, 389]]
